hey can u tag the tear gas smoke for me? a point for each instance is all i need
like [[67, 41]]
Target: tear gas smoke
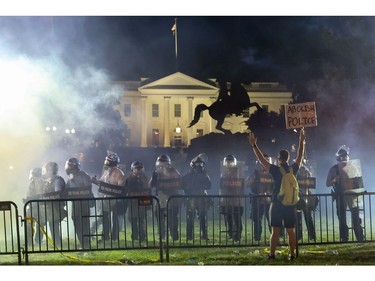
[[37, 93]]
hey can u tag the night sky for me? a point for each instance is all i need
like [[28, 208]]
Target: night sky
[[290, 49]]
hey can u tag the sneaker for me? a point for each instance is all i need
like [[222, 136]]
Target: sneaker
[[291, 258], [270, 257]]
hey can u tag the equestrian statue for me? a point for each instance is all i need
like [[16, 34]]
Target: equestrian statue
[[227, 103]]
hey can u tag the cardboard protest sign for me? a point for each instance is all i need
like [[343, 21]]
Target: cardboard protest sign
[[300, 115]]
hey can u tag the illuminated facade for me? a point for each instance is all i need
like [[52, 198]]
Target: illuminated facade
[[158, 112]]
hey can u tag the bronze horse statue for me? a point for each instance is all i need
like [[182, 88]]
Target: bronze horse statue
[[235, 103]]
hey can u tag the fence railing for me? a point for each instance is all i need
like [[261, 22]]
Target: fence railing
[[9, 230], [137, 223], [237, 221], [84, 225]]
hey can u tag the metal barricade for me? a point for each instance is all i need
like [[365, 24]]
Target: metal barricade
[[247, 224], [9, 230], [129, 223], [84, 225]]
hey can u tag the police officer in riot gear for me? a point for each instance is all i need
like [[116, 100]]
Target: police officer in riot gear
[[35, 191], [79, 181], [232, 183], [55, 211], [111, 185], [261, 185], [197, 182], [166, 181], [136, 184], [346, 181], [307, 204]]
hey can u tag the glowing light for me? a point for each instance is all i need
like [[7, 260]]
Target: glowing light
[[20, 80], [54, 128], [11, 167], [48, 129], [67, 131], [73, 131]]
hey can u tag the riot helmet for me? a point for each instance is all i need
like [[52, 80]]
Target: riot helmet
[[230, 161], [342, 154], [112, 159], [35, 173], [72, 165], [137, 167], [50, 169], [163, 161], [197, 163], [204, 157]]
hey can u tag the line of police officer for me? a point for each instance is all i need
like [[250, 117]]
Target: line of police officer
[[165, 181]]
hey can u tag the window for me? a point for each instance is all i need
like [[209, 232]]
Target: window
[[155, 137], [127, 110], [199, 133], [177, 110], [246, 113], [155, 110]]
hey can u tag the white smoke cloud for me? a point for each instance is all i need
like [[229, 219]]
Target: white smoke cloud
[[41, 92]]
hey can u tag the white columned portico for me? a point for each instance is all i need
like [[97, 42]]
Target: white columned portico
[[167, 140], [143, 122], [190, 117]]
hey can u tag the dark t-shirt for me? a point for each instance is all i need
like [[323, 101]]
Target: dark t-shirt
[[277, 177]]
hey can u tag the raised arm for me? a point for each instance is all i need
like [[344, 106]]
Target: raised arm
[[301, 147], [253, 141]]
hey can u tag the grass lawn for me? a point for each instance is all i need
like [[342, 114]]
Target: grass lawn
[[311, 255]]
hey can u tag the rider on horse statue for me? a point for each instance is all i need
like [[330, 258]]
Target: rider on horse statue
[[236, 100]]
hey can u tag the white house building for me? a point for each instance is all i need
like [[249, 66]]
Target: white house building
[[158, 112]]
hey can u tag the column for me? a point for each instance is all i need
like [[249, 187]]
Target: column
[[167, 138], [143, 122], [190, 112]]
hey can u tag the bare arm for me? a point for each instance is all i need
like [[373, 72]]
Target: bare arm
[[253, 141], [301, 147]]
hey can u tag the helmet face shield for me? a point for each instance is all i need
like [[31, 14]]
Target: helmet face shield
[[197, 163], [137, 167], [230, 170], [161, 165], [35, 173], [230, 161], [163, 161], [198, 166], [72, 166], [342, 154], [112, 160], [50, 169]]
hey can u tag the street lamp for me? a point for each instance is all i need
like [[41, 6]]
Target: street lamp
[[53, 129], [71, 131]]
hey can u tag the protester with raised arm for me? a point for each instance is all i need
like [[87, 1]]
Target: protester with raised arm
[[279, 213]]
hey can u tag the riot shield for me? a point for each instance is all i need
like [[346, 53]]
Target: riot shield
[[351, 182]]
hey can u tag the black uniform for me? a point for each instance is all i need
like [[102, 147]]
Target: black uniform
[[196, 182]]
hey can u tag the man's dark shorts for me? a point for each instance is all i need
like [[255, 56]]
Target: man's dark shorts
[[279, 213]]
